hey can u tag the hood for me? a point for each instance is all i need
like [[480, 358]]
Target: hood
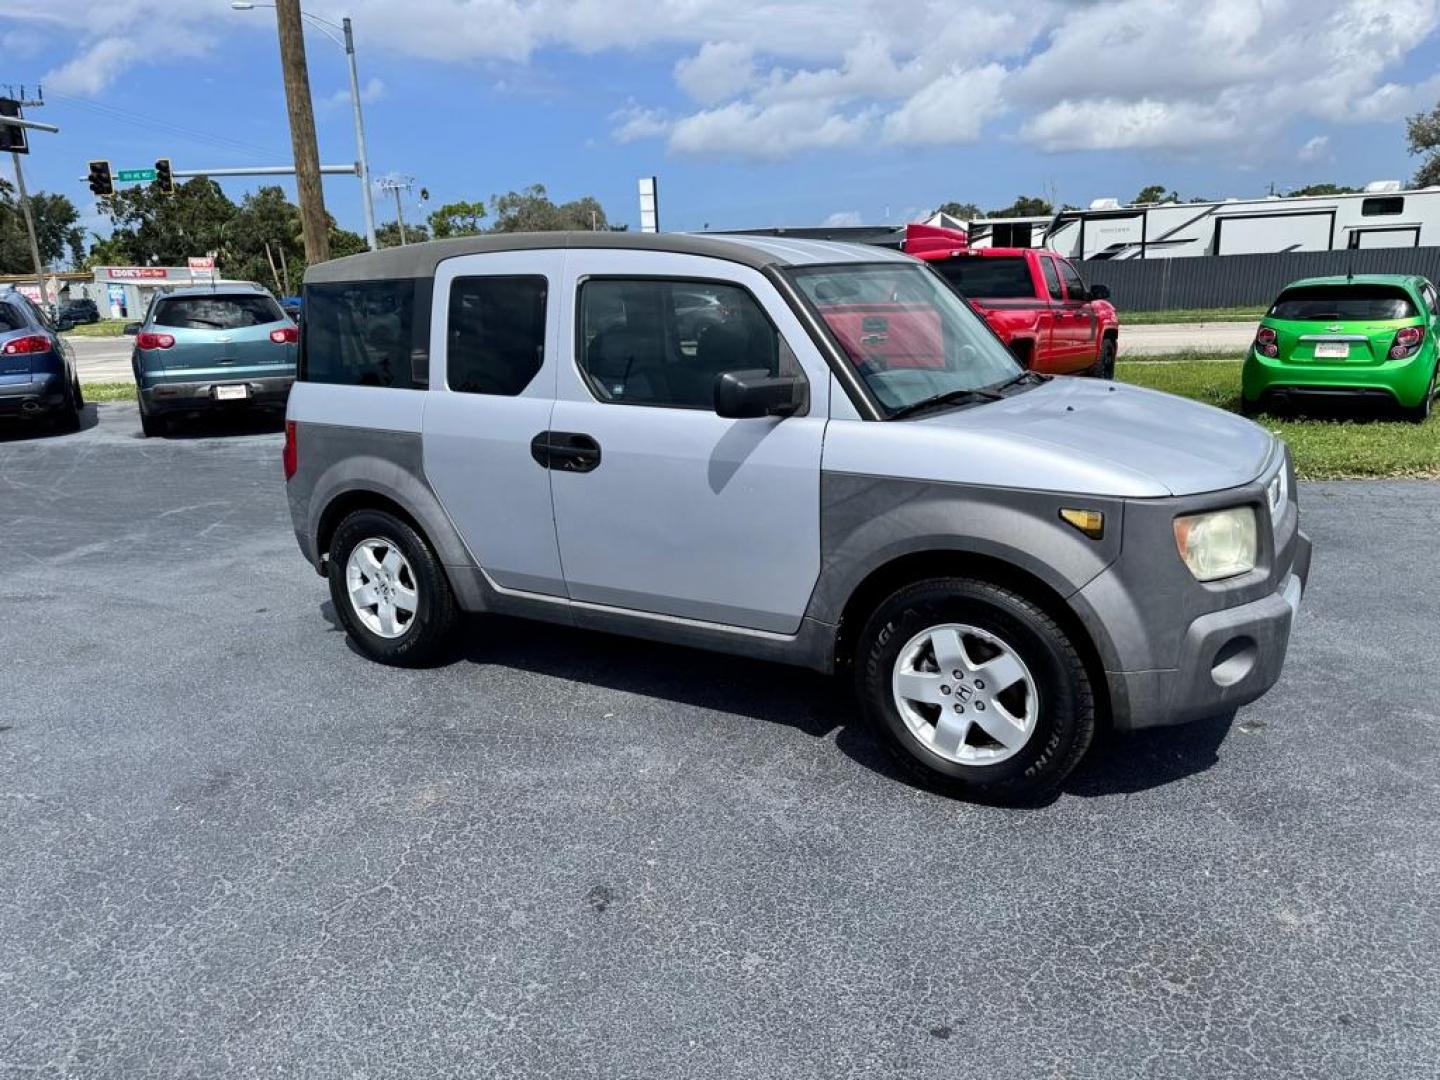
[[1099, 438]]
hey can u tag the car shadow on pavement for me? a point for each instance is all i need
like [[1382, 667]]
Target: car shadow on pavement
[[15, 429], [222, 425], [811, 703]]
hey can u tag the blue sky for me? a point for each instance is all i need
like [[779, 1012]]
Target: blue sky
[[763, 113]]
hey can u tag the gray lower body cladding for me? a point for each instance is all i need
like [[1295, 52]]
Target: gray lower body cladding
[[266, 392], [1169, 648]]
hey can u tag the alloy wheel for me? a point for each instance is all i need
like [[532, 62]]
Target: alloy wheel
[[965, 694], [381, 586]]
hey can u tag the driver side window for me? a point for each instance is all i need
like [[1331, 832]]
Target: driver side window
[[665, 342]]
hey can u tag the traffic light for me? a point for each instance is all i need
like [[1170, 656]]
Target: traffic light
[[101, 182], [12, 138], [164, 178]]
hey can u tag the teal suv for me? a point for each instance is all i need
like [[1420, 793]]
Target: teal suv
[[203, 349]]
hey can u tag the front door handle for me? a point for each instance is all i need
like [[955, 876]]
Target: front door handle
[[567, 451]]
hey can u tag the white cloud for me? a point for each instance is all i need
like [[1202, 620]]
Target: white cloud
[[720, 70], [767, 131], [767, 78], [843, 219], [374, 90], [94, 69], [633, 122], [1316, 149], [1111, 124], [950, 109]]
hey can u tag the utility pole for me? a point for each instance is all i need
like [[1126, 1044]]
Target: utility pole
[[302, 131], [24, 197], [396, 184]]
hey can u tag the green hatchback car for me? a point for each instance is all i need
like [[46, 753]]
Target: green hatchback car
[[1371, 336]]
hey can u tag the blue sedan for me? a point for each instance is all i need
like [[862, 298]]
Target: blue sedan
[[37, 371]]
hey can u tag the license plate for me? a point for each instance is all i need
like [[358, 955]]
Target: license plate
[[1332, 350], [232, 393]]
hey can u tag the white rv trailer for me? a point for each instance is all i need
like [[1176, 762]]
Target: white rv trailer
[[1383, 215]]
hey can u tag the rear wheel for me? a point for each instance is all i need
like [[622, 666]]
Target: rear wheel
[[390, 590], [975, 689], [1104, 367], [68, 416], [1418, 414], [151, 424]]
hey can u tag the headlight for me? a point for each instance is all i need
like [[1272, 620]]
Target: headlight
[[1219, 544]]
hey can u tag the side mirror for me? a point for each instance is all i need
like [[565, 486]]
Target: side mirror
[[746, 395], [1099, 292], [131, 329]]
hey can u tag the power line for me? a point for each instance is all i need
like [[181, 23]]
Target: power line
[[141, 120]]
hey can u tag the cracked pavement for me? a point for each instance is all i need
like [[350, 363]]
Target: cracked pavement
[[231, 847]]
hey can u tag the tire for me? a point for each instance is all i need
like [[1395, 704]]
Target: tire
[[998, 628], [1248, 407], [1104, 367], [420, 635], [1418, 414], [152, 425], [68, 418]]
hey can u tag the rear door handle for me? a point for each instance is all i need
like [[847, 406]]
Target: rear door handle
[[567, 451]]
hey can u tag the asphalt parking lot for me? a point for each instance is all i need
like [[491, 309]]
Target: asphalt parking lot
[[234, 848]]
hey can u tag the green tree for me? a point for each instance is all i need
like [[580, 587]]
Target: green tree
[[457, 219], [388, 235], [1024, 206], [965, 211], [532, 210], [60, 239], [1155, 193], [1324, 189], [1422, 131], [165, 230]]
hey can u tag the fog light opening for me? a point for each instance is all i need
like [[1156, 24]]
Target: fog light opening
[[1234, 661]]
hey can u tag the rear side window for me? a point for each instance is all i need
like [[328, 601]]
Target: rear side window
[[987, 278], [10, 319], [1052, 279], [365, 333], [1073, 282], [496, 334], [659, 342], [1340, 303], [216, 312]]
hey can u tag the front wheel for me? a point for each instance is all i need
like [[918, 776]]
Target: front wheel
[[1104, 367], [975, 689], [390, 590]]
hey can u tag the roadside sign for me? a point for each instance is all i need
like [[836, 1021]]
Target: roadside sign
[[135, 176], [202, 266]]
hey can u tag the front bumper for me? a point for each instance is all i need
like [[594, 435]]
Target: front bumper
[[29, 395], [267, 392], [1403, 382], [1227, 659]]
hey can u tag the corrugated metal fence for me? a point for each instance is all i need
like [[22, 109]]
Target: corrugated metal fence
[[1212, 281]]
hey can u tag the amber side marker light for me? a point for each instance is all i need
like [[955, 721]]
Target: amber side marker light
[[1089, 522]]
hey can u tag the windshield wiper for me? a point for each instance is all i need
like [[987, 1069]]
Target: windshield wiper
[[1026, 376], [949, 397]]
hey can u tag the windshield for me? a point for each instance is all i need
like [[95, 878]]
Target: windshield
[[217, 312], [907, 334], [1342, 303]]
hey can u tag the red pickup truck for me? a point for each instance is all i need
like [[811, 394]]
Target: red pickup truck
[[1033, 299]]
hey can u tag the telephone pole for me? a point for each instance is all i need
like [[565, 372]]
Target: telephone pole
[[22, 101], [302, 131]]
